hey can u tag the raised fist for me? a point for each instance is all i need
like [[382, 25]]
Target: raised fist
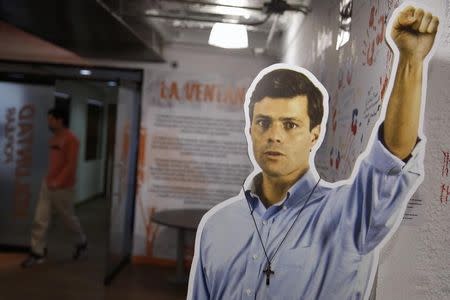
[[414, 31]]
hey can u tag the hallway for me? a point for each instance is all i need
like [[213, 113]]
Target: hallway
[[62, 278]]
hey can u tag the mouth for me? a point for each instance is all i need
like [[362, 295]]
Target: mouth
[[273, 153]]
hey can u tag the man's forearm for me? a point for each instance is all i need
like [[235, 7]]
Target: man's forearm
[[403, 112]]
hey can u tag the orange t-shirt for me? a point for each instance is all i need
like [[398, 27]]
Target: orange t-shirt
[[63, 158]]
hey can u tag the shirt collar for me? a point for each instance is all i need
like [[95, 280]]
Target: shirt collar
[[296, 194]]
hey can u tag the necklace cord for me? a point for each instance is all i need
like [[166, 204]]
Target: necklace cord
[[254, 221], [290, 228]]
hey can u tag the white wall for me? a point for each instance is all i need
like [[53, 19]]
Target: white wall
[[414, 264], [90, 174]]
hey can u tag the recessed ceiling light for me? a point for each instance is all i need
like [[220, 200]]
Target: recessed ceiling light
[[230, 36], [85, 72]]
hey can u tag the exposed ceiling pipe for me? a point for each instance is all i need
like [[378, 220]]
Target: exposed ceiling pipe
[[279, 4], [198, 19], [271, 32], [272, 7], [216, 4]]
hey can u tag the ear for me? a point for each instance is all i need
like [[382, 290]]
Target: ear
[[315, 133]]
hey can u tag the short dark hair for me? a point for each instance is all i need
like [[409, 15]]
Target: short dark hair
[[285, 83], [60, 114]]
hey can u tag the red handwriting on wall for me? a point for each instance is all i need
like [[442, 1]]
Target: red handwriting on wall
[[445, 163], [383, 85], [331, 157], [444, 193], [349, 76], [444, 189], [374, 36], [335, 157], [333, 120], [345, 73]]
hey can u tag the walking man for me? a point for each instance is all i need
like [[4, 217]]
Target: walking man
[[57, 191]]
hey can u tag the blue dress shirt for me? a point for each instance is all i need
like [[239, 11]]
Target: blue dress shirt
[[330, 253]]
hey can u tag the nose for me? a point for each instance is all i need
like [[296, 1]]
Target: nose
[[275, 133]]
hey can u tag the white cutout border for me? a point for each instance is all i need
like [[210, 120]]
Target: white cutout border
[[372, 139]]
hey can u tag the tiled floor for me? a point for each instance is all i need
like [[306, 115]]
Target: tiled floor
[[63, 279]]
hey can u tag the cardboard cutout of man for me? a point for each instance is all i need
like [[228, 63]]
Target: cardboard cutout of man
[[289, 235]]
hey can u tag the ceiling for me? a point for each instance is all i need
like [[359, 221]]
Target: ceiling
[[190, 21], [83, 27], [140, 29]]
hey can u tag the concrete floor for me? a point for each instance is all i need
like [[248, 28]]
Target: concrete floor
[[63, 279]]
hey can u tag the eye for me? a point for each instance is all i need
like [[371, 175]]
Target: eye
[[290, 125], [263, 123]]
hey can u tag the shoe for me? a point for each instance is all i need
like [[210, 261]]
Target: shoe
[[80, 250], [33, 259]]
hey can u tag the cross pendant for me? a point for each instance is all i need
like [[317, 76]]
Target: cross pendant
[[268, 271]]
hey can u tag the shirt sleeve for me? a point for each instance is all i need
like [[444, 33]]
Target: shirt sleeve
[[198, 286], [375, 201]]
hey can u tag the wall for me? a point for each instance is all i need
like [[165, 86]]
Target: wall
[[90, 174], [185, 187], [413, 265]]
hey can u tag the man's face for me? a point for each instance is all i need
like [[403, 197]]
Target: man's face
[[281, 137], [53, 123]]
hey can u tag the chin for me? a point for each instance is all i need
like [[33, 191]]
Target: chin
[[273, 172]]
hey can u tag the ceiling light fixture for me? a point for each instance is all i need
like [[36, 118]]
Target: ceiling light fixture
[[85, 72], [230, 36]]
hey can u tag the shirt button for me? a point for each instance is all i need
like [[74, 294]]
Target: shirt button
[[265, 222], [394, 171], [254, 256], [248, 292], [284, 207]]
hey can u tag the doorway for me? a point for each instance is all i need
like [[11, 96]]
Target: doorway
[[99, 107]]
